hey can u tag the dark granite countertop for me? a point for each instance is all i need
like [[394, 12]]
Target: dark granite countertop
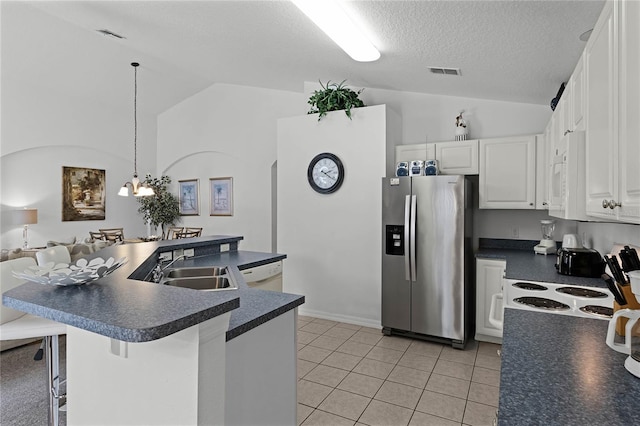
[[524, 264], [124, 307], [558, 370], [256, 306]]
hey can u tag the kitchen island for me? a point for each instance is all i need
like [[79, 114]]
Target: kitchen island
[[140, 352], [558, 370]]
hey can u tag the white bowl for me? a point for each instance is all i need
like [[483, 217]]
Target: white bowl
[[63, 274]]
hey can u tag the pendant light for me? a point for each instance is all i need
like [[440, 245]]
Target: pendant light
[[138, 189]]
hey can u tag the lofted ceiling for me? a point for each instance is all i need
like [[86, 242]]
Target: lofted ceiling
[[512, 50]]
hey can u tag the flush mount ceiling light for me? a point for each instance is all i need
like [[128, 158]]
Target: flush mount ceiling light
[[331, 18], [138, 189]]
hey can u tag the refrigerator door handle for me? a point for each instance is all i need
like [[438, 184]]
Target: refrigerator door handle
[[412, 239], [407, 218]]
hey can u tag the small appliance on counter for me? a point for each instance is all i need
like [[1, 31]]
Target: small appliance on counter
[[630, 312], [547, 244], [416, 168], [580, 262], [571, 241]]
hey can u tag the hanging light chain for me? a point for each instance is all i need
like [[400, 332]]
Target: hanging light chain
[[135, 118]]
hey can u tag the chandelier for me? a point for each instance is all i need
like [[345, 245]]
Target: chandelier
[[138, 189]]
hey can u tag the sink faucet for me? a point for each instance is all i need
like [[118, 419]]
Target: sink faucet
[[156, 275]]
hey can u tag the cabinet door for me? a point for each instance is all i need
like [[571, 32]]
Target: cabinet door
[[457, 158], [576, 99], [508, 173], [420, 151], [542, 170], [629, 113], [601, 131], [489, 275]]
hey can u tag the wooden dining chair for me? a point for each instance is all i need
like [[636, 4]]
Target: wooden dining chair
[[96, 236], [113, 234], [198, 230], [186, 234], [172, 231]]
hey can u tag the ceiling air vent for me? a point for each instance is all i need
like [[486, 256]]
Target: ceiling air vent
[[110, 34], [445, 71]]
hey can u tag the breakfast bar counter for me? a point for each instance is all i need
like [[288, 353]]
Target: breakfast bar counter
[[558, 370], [162, 354]]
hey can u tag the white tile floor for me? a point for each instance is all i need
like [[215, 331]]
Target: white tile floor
[[352, 375]]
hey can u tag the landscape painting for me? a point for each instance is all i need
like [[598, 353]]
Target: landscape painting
[[83, 194]]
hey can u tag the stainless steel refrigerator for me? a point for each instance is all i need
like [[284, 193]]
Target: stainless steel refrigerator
[[427, 258]]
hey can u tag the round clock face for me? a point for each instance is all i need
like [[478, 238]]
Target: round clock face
[[325, 173]]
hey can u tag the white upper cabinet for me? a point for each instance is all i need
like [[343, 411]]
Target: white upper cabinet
[[542, 172], [576, 97], [629, 113], [612, 114], [508, 173], [458, 158], [454, 158]]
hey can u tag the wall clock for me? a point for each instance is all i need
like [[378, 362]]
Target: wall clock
[[325, 173]]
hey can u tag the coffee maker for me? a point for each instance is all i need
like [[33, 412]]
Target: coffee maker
[[631, 344]]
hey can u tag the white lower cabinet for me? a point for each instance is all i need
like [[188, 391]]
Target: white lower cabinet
[[489, 275], [508, 173]]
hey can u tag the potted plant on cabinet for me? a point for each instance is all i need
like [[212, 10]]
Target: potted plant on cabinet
[[161, 209], [334, 97]]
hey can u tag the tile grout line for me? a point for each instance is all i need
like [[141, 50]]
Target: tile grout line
[[395, 364]]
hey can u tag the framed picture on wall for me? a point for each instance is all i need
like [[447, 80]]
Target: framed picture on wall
[[189, 197], [83, 194], [221, 196]]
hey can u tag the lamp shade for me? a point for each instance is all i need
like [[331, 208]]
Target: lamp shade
[[26, 216]]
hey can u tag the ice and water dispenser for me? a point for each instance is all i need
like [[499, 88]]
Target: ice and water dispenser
[[394, 244]]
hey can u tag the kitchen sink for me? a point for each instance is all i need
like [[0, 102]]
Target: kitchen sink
[[210, 283], [206, 278], [206, 271]]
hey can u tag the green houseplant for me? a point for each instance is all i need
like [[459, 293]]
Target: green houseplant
[[334, 97], [161, 209]]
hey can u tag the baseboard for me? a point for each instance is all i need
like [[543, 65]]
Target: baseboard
[[340, 318]]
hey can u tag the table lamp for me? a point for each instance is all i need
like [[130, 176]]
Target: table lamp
[[26, 217]]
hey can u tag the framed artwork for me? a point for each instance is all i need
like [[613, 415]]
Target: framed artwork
[[221, 196], [189, 197], [83, 194]]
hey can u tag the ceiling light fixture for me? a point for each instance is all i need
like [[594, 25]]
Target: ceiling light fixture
[[331, 18], [138, 189]]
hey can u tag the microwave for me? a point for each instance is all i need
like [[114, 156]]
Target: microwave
[[567, 187]]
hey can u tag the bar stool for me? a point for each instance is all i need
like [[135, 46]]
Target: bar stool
[[19, 325]]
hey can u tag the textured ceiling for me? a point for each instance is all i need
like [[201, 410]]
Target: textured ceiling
[[516, 50]]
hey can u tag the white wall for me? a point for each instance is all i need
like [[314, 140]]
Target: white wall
[[228, 131], [431, 118], [332, 240], [43, 130]]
